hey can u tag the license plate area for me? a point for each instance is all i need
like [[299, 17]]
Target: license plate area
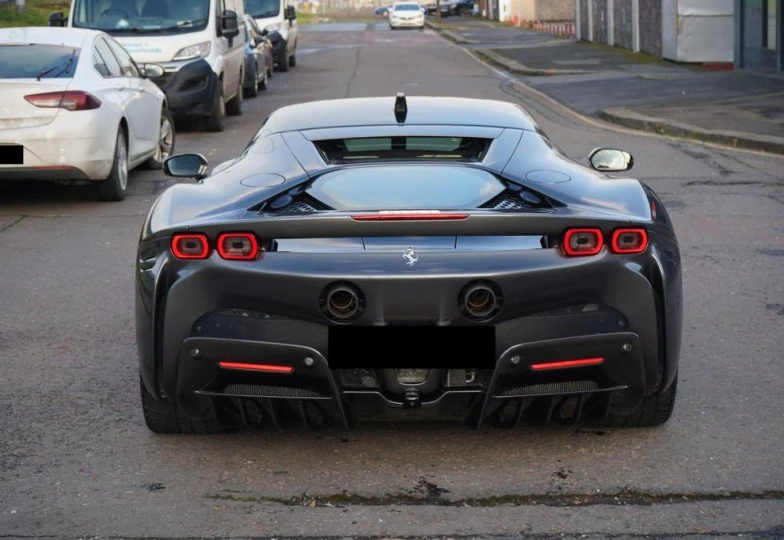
[[11, 154], [416, 347]]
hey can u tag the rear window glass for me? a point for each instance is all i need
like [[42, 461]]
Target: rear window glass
[[403, 148], [37, 61]]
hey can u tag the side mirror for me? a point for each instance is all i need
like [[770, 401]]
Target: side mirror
[[152, 71], [291, 13], [258, 40], [264, 33], [57, 19], [611, 160], [186, 166], [229, 24]]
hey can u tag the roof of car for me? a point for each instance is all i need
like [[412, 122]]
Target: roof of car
[[421, 110], [72, 37]]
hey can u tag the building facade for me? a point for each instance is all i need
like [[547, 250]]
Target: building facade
[[743, 33], [523, 12]]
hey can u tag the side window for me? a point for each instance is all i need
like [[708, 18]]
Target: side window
[[126, 62], [109, 66]]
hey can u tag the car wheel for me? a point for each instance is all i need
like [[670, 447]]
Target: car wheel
[[654, 410], [166, 418], [293, 60], [217, 120], [234, 107], [114, 187], [166, 137], [263, 81], [283, 65], [253, 90]]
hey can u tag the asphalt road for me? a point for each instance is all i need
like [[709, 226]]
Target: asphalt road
[[77, 460]]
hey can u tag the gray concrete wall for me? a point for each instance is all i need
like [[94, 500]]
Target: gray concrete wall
[[584, 34], [622, 23], [555, 10], [600, 21], [651, 27]]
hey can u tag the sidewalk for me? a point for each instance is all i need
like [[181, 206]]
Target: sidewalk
[[735, 108]]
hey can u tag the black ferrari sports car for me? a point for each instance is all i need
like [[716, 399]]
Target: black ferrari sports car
[[401, 258]]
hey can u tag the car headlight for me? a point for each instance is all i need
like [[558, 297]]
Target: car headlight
[[200, 50]]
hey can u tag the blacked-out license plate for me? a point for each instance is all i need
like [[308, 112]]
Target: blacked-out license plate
[[11, 154], [424, 347]]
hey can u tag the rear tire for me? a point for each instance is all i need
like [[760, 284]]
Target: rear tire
[[216, 121], [293, 60], [263, 82], [166, 418], [234, 107], [654, 410], [283, 65], [166, 140], [252, 91], [116, 184]]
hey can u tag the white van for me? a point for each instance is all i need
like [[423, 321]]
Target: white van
[[279, 19], [198, 43]]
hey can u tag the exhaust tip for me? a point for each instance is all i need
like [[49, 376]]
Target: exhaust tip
[[342, 302], [480, 301]]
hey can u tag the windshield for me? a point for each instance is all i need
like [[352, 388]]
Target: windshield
[[262, 9], [142, 16], [407, 7], [37, 61]]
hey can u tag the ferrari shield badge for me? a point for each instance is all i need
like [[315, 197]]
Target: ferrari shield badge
[[410, 256]]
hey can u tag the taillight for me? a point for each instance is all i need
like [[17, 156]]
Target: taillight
[[71, 100], [629, 240], [238, 246], [190, 246], [582, 242]]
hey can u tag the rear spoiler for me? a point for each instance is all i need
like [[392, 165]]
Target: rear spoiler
[[424, 223]]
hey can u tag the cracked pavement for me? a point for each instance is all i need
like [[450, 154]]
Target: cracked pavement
[[77, 461]]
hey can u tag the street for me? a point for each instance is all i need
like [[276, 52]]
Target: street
[[76, 459]]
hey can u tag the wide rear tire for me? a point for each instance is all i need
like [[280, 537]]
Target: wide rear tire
[[654, 410], [166, 418], [116, 184]]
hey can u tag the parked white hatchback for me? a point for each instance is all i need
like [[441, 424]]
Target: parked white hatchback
[[75, 107], [406, 14]]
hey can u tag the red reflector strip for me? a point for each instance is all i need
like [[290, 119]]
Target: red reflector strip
[[409, 216], [269, 368], [567, 364]]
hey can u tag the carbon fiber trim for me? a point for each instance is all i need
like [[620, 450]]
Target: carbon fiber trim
[[568, 387], [571, 321], [266, 391]]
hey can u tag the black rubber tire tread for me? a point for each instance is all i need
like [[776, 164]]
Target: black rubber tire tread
[[110, 189], [166, 418], [151, 163], [654, 410], [253, 90], [293, 59], [283, 65], [234, 106], [216, 122]]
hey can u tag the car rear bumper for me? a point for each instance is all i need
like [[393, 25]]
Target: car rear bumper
[[192, 317], [71, 147]]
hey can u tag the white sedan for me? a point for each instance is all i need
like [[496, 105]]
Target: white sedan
[[75, 107], [406, 14]]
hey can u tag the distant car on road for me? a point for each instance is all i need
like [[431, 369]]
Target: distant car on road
[[406, 15], [383, 11], [279, 18], [401, 258], [76, 107], [258, 58]]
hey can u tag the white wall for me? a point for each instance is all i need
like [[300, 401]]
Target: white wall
[[698, 30]]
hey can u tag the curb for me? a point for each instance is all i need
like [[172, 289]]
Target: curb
[[449, 34], [748, 141], [516, 67]]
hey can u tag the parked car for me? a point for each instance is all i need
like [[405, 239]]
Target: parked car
[[198, 42], [258, 58], [406, 15], [384, 10], [76, 107], [279, 18]]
